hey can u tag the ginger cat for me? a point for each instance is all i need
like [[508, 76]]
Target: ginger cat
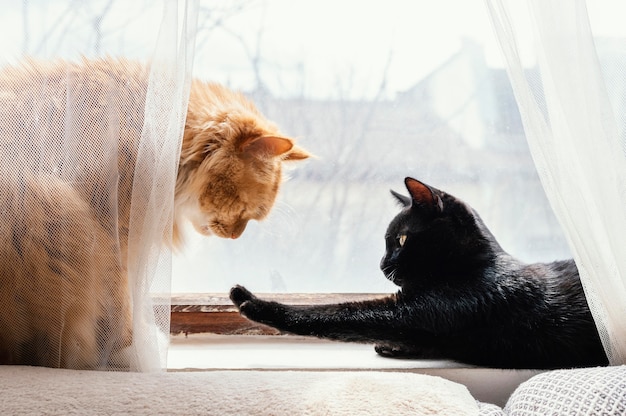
[[65, 299]]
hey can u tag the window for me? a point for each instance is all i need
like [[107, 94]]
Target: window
[[377, 92], [394, 90]]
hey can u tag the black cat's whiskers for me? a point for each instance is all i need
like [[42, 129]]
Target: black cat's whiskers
[[390, 273]]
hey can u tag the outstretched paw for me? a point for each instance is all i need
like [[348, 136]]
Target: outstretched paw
[[255, 309], [239, 295], [249, 305], [394, 351]]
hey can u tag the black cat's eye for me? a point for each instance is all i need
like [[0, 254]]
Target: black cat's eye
[[401, 239]]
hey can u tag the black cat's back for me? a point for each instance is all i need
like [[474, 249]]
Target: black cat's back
[[533, 316]]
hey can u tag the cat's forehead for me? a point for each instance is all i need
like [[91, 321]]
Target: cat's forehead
[[405, 220]]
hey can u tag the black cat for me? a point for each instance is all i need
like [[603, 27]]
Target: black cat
[[462, 297]]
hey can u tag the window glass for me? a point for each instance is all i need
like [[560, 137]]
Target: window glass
[[377, 91], [70, 30]]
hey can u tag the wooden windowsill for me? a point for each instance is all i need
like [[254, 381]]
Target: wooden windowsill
[[214, 313]]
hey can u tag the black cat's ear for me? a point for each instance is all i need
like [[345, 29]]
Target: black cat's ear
[[404, 201], [423, 195]]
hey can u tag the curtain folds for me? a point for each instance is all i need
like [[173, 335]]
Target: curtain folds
[[573, 129], [93, 100], [152, 202]]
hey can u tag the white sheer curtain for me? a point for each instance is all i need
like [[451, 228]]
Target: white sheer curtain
[[152, 203], [573, 130], [90, 157]]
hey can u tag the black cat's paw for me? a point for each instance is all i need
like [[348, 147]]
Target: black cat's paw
[[384, 350], [239, 295], [252, 307], [392, 351]]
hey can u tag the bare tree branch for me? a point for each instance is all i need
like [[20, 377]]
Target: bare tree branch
[[97, 26], [63, 21], [26, 31], [212, 18]]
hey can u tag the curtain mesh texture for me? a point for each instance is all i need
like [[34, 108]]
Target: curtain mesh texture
[[576, 136], [89, 149]]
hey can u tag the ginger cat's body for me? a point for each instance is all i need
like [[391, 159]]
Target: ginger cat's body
[[64, 216]]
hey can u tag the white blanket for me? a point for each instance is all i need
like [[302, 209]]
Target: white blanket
[[31, 391]]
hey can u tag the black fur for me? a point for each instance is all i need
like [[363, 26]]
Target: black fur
[[462, 297]]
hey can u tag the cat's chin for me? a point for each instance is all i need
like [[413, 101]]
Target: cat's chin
[[207, 231], [204, 230], [231, 233], [395, 280]]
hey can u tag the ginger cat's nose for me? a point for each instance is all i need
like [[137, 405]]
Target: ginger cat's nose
[[238, 229]]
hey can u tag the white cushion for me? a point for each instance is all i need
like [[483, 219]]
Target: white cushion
[[32, 390]]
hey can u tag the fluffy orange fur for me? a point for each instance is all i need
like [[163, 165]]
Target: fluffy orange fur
[[64, 296], [60, 278], [230, 163]]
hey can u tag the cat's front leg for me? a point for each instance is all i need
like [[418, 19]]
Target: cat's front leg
[[255, 309], [368, 321]]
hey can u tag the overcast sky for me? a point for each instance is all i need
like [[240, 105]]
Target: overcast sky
[[342, 44], [320, 48], [348, 43]]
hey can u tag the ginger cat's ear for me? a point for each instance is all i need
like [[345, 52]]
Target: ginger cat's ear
[[266, 146], [273, 146], [297, 153]]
